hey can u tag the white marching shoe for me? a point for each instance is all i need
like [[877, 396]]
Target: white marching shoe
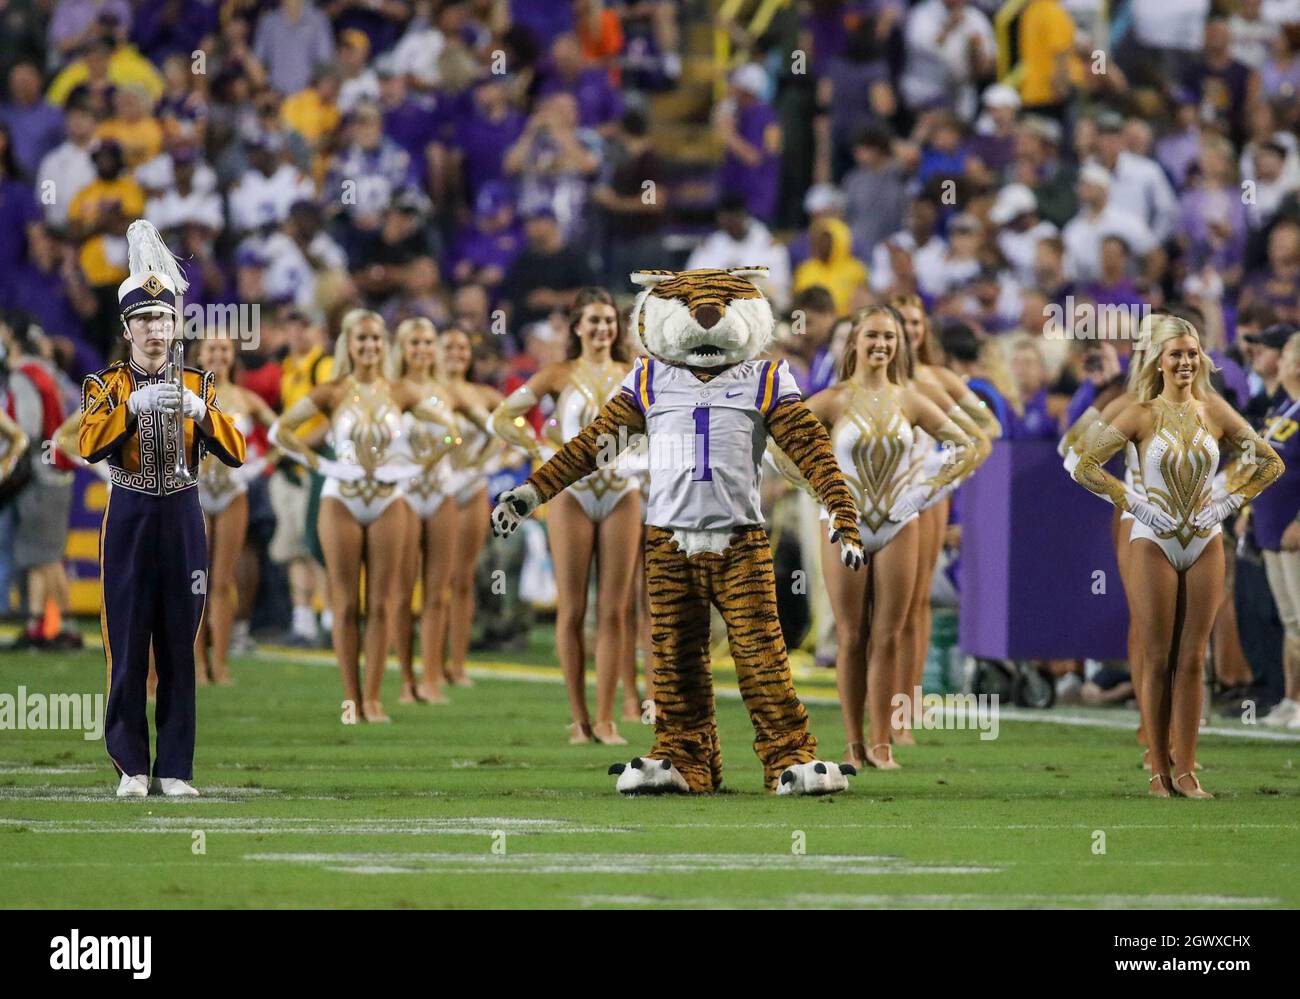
[[648, 776], [816, 777], [133, 787], [1284, 713], [173, 787]]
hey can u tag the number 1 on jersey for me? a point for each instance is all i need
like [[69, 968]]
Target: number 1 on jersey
[[702, 472]]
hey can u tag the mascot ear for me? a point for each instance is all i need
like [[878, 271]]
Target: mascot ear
[[648, 279], [748, 272]]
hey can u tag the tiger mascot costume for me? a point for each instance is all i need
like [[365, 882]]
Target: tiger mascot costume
[[708, 405]]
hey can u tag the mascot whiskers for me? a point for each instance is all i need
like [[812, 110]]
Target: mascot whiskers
[[708, 406]]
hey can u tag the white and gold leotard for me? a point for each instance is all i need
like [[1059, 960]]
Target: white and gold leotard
[[1176, 465], [219, 484], [589, 388], [874, 446], [426, 444], [469, 470], [366, 430]]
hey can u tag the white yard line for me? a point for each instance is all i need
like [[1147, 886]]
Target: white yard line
[[609, 863], [486, 826]]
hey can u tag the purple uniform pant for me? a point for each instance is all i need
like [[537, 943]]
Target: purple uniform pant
[[153, 559]]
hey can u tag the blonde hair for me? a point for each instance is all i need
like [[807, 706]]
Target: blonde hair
[[342, 356], [900, 365], [927, 353], [407, 328], [1136, 358], [1153, 334], [993, 364]]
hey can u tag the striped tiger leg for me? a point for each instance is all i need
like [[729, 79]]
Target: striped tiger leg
[[685, 723], [744, 591]]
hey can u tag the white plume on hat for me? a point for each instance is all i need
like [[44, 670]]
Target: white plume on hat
[[148, 259]]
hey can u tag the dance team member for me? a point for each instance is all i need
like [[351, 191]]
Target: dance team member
[[415, 363], [872, 414], [361, 522], [153, 548], [983, 428], [223, 495], [598, 518], [1081, 436], [471, 464], [1176, 558]]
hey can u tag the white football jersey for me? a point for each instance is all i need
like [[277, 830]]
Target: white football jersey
[[706, 439]]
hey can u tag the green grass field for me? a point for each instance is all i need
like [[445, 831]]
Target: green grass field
[[482, 803]]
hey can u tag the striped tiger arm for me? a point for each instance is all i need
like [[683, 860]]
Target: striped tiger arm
[[804, 440], [600, 440]]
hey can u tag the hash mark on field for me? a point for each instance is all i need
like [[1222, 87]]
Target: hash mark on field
[[989, 901], [102, 794], [607, 863]]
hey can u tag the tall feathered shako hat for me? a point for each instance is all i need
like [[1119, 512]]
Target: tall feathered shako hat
[[156, 278]]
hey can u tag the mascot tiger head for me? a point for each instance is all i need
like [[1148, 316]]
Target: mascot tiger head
[[702, 318]]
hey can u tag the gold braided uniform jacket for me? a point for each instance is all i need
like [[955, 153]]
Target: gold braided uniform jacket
[[139, 452]]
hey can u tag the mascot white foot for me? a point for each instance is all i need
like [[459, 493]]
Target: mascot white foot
[[647, 776], [817, 777]]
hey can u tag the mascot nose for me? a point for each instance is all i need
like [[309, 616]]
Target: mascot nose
[[708, 316]]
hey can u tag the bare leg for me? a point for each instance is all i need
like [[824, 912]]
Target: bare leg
[[1230, 665], [403, 619], [385, 541], [471, 537], [342, 540], [572, 537], [619, 541], [439, 550], [847, 591], [1203, 595], [228, 530], [1120, 531], [893, 581], [1157, 580], [916, 628]]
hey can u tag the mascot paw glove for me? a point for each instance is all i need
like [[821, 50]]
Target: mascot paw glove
[[512, 507], [815, 777], [648, 776]]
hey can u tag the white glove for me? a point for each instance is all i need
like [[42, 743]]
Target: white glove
[[1071, 461], [195, 408], [851, 555], [398, 471], [156, 397], [340, 470], [512, 507], [1215, 511], [1151, 515], [912, 501]]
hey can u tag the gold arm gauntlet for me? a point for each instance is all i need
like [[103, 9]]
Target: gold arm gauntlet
[[509, 423], [1089, 473], [979, 440], [959, 459], [1259, 458], [981, 414], [283, 433]]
